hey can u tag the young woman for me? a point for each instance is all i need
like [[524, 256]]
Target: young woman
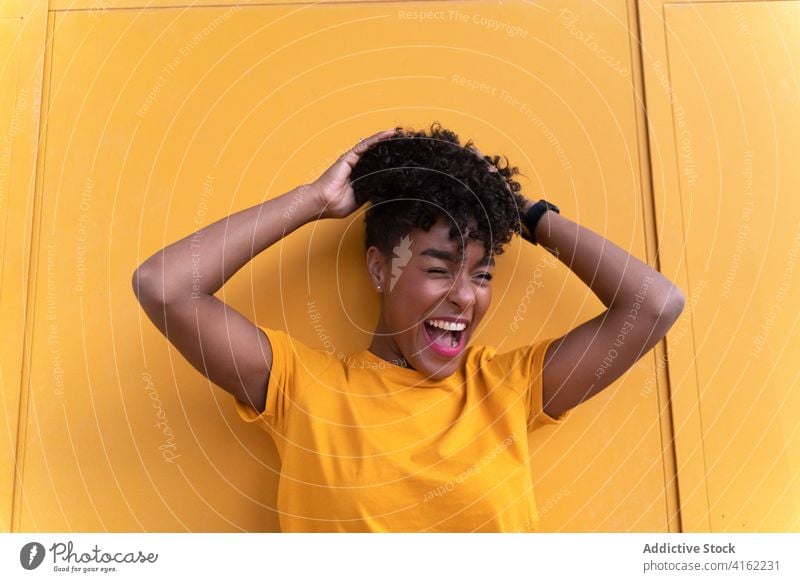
[[421, 431]]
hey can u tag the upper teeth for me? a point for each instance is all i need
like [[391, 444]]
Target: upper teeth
[[448, 325]]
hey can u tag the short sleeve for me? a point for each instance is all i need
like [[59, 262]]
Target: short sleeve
[[280, 377], [538, 415], [521, 370]]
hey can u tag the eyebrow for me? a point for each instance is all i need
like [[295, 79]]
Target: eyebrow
[[451, 258]]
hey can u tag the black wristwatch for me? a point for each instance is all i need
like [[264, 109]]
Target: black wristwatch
[[530, 219]]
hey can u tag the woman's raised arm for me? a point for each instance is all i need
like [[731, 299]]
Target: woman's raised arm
[[176, 285], [641, 305]]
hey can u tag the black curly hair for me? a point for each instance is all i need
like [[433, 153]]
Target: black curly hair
[[414, 178]]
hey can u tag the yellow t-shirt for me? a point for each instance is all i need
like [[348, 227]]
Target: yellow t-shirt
[[366, 445]]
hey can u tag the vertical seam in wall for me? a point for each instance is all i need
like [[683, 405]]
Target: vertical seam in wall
[[685, 256], [663, 388], [39, 159]]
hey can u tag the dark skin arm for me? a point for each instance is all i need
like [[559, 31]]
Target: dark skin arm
[[641, 306], [176, 285]]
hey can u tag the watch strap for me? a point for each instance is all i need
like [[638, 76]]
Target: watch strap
[[531, 218]]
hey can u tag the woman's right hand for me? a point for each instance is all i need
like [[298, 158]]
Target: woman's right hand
[[333, 187]]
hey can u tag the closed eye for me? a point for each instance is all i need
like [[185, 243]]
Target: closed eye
[[484, 276]]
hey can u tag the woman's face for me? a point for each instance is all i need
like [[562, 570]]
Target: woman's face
[[428, 286]]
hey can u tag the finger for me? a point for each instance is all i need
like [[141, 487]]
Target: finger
[[352, 155], [364, 144]]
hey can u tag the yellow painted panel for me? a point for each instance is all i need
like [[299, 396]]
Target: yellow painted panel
[[22, 34], [9, 115], [161, 121], [682, 399], [733, 69], [9, 380], [98, 7]]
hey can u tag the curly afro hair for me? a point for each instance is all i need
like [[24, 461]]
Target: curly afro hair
[[412, 179]]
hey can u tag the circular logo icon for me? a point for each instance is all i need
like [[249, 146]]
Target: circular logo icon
[[31, 555]]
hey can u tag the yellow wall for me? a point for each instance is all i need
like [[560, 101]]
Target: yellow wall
[[724, 91], [137, 126]]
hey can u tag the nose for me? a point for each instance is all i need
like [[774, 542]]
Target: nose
[[463, 292]]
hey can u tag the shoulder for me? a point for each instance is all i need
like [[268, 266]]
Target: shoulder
[[514, 367], [496, 355], [288, 348]]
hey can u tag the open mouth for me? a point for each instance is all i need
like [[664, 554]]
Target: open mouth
[[446, 338]]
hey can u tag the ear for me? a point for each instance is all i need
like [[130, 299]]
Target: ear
[[376, 269]]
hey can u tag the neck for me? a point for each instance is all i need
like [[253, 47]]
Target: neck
[[384, 346]]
